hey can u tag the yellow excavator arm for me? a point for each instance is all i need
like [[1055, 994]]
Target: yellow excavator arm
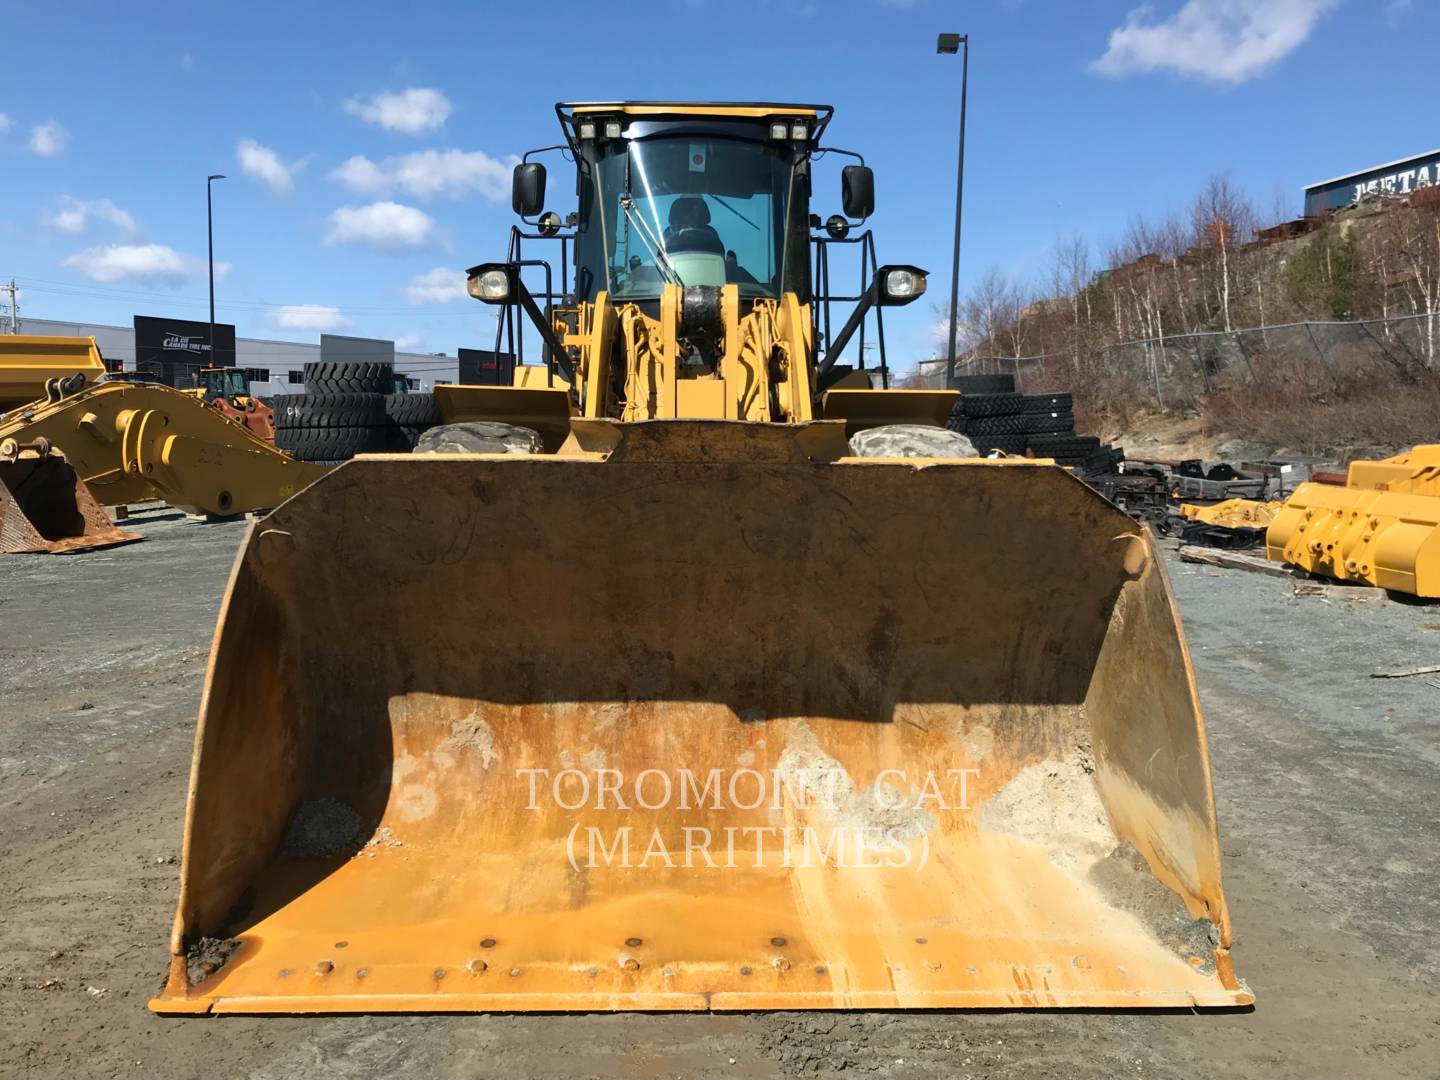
[[132, 441]]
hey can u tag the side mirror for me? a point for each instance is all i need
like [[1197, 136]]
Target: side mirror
[[857, 191], [527, 189]]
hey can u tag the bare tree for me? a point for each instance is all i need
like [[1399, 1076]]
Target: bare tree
[[1221, 218]]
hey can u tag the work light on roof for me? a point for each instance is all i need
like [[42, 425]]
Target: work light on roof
[[777, 130], [799, 132], [612, 129], [587, 129]]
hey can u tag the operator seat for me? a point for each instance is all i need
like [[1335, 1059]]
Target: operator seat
[[690, 229]]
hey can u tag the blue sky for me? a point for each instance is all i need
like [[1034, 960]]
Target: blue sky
[[367, 145]]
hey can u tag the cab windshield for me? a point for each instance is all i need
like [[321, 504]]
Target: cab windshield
[[228, 381], [693, 210]]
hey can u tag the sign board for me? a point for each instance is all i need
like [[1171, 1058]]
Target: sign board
[[484, 367], [174, 350]]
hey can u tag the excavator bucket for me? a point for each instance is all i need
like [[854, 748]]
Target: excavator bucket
[[45, 508], [698, 715]]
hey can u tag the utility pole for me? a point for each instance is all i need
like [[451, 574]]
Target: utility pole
[[14, 306], [950, 44], [210, 238]]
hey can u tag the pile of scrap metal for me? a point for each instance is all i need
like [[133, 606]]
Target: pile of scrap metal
[[1190, 479], [1211, 505], [1139, 488], [1379, 529]]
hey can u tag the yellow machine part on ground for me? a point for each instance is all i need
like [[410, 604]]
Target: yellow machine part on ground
[[1382, 528], [1233, 513], [135, 441], [29, 361], [698, 715]]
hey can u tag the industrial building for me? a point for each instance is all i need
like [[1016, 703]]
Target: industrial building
[[1393, 178], [173, 349]]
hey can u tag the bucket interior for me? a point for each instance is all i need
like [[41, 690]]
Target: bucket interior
[[495, 734]]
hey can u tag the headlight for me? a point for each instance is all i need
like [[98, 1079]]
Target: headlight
[[899, 285], [491, 286], [904, 284]]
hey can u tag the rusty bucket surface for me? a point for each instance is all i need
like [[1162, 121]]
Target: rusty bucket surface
[[711, 723], [45, 508]]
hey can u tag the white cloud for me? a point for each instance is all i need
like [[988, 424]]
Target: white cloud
[[151, 263], [361, 175], [430, 174], [309, 317], [6, 124], [48, 139], [409, 342], [1220, 40], [75, 215], [410, 112], [1396, 10], [439, 286], [264, 166], [386, 226]]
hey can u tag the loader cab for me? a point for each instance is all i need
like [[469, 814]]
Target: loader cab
[[229, 383], [692, 202], [708, 200]]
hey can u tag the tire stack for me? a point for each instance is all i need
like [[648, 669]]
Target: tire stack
[[1050, 433], [349, 409], [409, 416], [1050, 429], [990, 413], [995, 417]]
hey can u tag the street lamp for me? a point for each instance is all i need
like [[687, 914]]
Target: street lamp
[[949, 44], [210, 237]]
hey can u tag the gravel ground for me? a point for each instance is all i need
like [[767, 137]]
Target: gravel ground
[[1329, 814]]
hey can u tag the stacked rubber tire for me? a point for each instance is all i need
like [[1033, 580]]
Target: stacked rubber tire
[[995, 417], [1050, 429], [348, 409], [990, 413]]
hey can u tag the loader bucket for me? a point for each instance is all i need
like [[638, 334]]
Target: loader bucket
[[46, 508], [703, 716]]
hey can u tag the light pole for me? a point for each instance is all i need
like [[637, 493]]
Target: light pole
[[950, 44], [210, 239]]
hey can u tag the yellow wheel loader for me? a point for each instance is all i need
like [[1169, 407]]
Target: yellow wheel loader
[[227, 390], [730, 681], [133, 440]]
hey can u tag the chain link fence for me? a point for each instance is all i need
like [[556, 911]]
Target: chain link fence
[[1175, 372]]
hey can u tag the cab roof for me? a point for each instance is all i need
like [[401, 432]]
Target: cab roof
[[567, 111]]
